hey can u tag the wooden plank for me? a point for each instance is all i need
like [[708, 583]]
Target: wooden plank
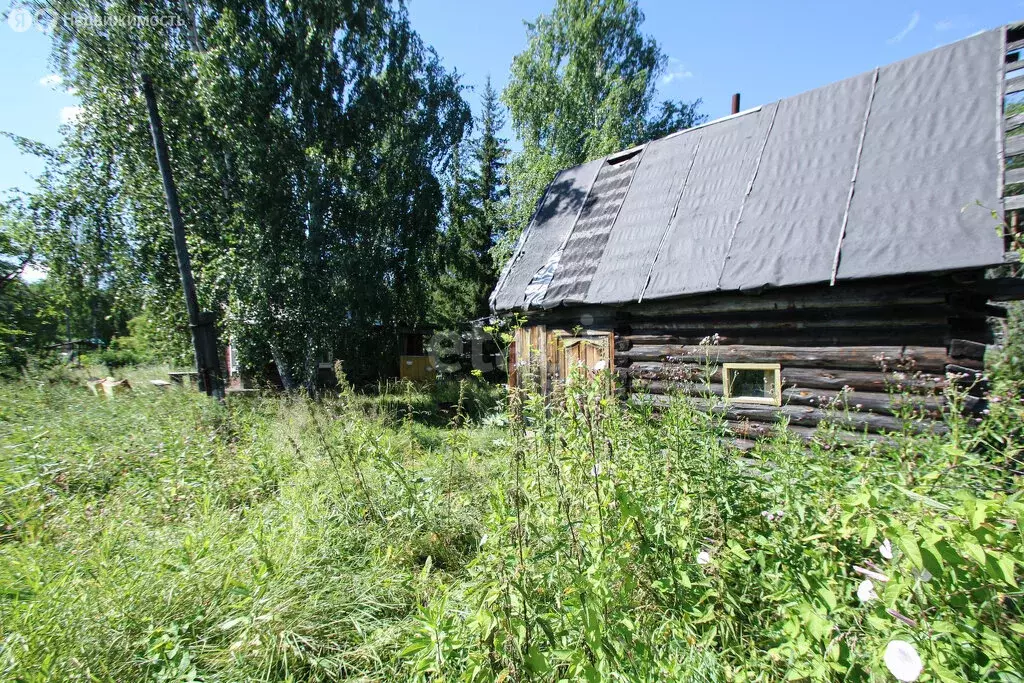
[[1014, 202], [666, 387], [851, 357], [971, 373], [754, 323], [923, 334], [802, 416], [743, 445], [857, 380], [1014, 176], [1013, 66], [768, 317], [812, 417], [859, 401], [1002, 288], [1014, 144], [891, 291], [814, 378], [997, 288], [965, 348], [1014, 46], [759, 430], [1013, 122], [1014, 85], [863, 401]]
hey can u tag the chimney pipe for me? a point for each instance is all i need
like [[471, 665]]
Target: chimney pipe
[[736, 103]]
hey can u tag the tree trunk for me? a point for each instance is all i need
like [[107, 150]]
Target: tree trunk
[[283, 371]]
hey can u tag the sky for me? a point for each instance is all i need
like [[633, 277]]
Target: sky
[[763, 50]]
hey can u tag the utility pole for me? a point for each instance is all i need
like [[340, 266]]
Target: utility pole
[[204, 335]]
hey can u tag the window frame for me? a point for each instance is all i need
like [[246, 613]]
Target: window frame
[[728, 368]]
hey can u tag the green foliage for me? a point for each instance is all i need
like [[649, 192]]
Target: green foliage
[[305, 142], [278, 538], [28, 315], [264, 539], [149, 342], [620, 544], [1009, 363], [476, 205]]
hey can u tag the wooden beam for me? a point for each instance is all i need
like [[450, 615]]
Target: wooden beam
[[1015, 46], [815, 378], [858, 380], [1013, 66], [826, 399], [853, 357], [991, 311], [802, 416], [1014, 202], [1014, 85], [1014, 143], [971, 373], [760, 430], [1014, 176], [1002, 288], [924, 335], [1013, 122], [964, 348], [903, 290]]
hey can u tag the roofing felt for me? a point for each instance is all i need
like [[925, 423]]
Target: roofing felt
[[892, 172]]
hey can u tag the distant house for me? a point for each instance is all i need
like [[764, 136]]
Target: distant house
[[823, 248]]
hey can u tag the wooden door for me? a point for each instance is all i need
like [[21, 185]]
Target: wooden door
[[588, 355]]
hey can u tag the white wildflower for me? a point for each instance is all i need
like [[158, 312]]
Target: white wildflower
[[595, 470], [902, 660], [703, 557], [885, 550], [866, 591]]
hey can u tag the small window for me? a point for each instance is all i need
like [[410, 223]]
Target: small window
[[753, 383]]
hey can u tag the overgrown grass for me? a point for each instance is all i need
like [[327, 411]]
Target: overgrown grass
[[158, 536]]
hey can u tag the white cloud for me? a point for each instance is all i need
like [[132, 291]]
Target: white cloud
[[911, 25], [50, 80], [70, 114], [72, 91], [944, 25], [676, 71]]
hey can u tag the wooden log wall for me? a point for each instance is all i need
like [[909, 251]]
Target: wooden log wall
[[1012, 161], [857, 355]]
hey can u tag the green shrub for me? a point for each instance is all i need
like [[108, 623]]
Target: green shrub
[[622, 546], [160, 536], [115, 358]]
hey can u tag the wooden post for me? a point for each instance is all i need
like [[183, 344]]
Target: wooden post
[[204, 335]]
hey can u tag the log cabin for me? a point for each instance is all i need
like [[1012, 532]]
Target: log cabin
[[842, 247]]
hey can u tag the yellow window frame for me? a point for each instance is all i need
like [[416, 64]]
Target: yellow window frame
[[727, 380]]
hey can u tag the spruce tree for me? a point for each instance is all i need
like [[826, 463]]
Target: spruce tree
[[475, 211], [488, 193]]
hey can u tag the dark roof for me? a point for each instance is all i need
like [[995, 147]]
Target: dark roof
[[891, 172]]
